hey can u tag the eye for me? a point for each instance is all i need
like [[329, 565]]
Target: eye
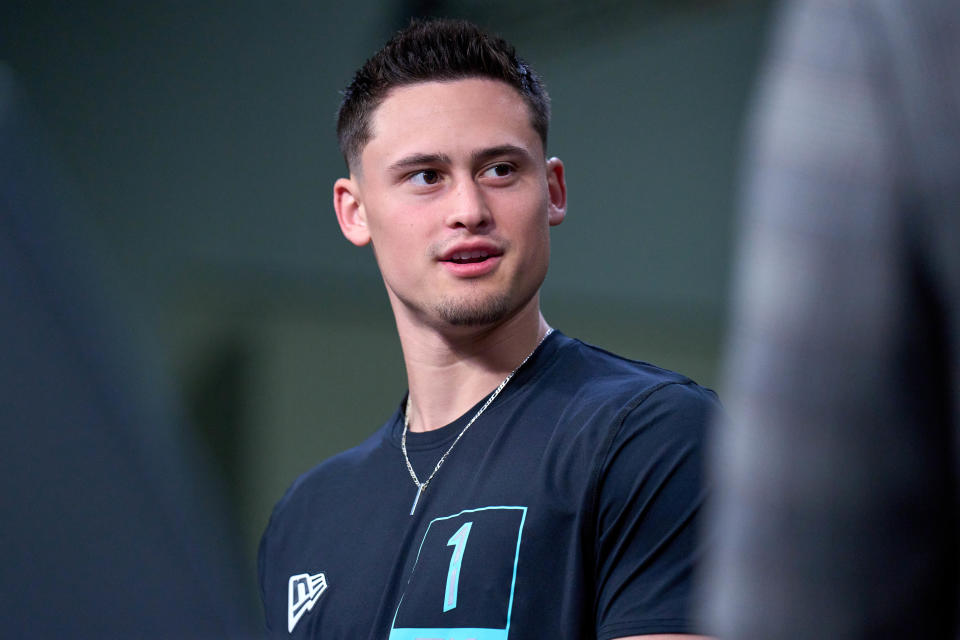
[[425, 178], [499, 170]]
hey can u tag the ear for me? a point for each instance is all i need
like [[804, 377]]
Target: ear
[[350, 212], [557, 190]]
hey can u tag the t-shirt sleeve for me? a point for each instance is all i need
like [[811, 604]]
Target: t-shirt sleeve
[[648, 495], [271, 585]]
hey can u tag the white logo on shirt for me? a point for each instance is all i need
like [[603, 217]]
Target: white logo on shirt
[[304, 590]]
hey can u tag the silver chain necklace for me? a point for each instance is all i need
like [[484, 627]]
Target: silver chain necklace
[[422, 486]]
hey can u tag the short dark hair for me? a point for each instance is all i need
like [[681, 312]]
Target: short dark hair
[[434, 50]]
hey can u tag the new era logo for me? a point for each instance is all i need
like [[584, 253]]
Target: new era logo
[[304, 591]]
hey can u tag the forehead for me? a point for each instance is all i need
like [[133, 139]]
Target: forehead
[[444, 117]]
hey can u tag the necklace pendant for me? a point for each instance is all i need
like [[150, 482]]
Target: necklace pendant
[[416, 499]]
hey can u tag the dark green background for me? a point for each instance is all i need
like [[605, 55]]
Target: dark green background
[[200, 139]]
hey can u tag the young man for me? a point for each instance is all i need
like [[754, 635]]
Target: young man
[[529, 486]]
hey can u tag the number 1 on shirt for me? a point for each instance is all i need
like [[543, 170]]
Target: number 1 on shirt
[[459, 542]]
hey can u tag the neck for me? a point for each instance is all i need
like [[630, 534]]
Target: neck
[[449, 371]]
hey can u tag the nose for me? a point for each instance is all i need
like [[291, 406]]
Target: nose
[[468, 207]]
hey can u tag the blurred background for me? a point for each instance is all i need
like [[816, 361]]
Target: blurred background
[[196, 142]]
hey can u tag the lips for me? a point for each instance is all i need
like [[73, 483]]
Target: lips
[[461, 254], [471, 260]]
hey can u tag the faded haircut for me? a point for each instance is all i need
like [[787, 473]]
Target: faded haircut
[[434, 50]]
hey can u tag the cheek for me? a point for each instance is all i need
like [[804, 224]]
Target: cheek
[[527, 218], [396, 228]]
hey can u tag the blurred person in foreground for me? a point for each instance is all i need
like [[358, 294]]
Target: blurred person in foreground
[[529, 485], [837, 502]]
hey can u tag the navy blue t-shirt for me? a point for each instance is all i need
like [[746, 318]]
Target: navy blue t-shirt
[[568, 510]]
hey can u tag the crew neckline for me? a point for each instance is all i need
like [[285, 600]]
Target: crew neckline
[[436, 438]]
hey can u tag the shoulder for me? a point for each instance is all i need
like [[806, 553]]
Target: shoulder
[[641, 430], [314, 501], [314, 487], [626, 390], [606, 414], [631, 421], [605, 367]]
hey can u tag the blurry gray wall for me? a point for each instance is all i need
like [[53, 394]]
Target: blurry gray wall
[[201, 137]]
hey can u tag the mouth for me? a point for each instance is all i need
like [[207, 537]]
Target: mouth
[[469, 257], [472, 261], [470, 253]]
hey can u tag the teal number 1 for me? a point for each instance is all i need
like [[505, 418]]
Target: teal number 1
[[459, 542]]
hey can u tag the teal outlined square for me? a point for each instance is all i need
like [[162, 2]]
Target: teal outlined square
[[504, 541]]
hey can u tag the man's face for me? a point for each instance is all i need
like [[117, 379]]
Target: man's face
[[455, 195]]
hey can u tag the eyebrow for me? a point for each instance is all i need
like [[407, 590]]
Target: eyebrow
[[482, 155], [418, 159]]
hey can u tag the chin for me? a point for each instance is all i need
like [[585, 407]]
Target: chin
[[474, 313]]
